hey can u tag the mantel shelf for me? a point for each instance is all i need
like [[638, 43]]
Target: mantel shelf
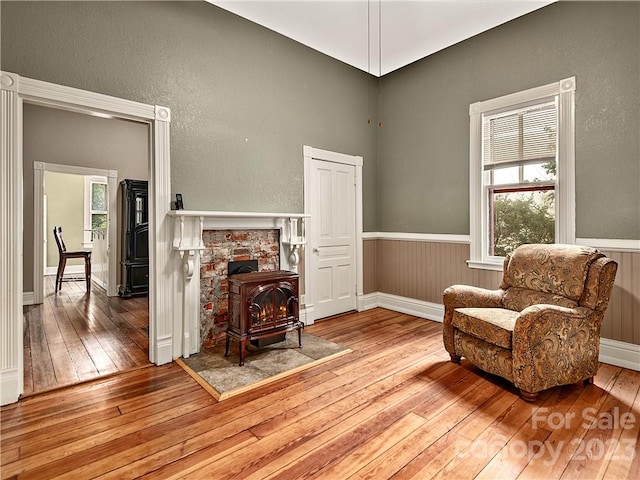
[[191, 224], [219, 214]]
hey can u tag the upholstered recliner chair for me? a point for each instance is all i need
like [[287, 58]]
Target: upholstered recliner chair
[[541, 328]]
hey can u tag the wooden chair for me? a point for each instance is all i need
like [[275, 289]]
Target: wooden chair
[[64, 255]]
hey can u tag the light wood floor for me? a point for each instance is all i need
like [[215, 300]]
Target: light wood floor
[[74, 336], [393, 408]]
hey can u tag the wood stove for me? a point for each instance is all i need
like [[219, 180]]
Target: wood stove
[[261, 305]]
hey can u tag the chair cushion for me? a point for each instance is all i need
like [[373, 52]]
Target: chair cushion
[[518, 299], [556, 269], [494, 325]]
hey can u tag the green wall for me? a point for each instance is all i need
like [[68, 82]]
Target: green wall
[[423, 163], [244, 100], [65, 208]]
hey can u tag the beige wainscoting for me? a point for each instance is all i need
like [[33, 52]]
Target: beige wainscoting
[[421, 270]]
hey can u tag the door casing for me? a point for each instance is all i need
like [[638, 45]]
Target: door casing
[[14, 91], [312, 153]]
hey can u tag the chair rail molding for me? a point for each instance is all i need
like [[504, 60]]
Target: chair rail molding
[[15, 90]]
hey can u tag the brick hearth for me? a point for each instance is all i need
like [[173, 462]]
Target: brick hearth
[[223, 246]]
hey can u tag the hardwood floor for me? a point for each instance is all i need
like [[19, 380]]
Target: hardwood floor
[[395, 407], [73, 337]]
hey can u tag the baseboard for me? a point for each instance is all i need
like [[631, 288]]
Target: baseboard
[[613, 352], [68, 270], [10, 386], [367, 301], [28, 298], [306, 315], [620, 354], [411, 306], [99, 282]]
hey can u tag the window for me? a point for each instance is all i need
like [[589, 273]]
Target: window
[[95, 207], [522, 164]]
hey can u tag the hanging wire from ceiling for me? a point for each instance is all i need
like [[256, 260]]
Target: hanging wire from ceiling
[[379, 62], [368, 61]]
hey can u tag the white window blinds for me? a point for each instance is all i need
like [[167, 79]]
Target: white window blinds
[[518, 137]]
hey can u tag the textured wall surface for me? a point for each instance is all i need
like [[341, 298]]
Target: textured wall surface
[[65, 208], [244, 100], [423, 164]]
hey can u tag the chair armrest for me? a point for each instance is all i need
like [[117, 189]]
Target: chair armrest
[[555, 345], [458, 296]]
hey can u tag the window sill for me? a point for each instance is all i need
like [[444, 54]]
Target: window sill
[[497, 267]]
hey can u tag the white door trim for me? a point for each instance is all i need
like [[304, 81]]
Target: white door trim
[[38, 221], [14, 90], [311, 153]]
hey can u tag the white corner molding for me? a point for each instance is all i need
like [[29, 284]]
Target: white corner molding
[[14, 91], [162, 114]]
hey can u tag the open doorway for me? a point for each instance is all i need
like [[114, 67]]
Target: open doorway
[[76, 333], [82, 202], [18, 91]]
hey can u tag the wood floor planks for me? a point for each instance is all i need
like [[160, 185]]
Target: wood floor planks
[[393, 408], [74, 336]]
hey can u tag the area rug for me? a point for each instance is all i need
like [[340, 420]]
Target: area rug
[[224, 378]]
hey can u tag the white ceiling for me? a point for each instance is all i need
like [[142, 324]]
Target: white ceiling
[[380, 36]]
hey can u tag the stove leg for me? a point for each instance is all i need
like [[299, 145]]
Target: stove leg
[[226, 348], [242, 345]]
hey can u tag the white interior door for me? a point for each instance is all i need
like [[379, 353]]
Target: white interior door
[[332, 238]]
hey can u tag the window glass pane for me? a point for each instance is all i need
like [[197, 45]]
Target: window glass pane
[[520, 217], [99, 197], [505, 176], [98, 221], [540, 172]]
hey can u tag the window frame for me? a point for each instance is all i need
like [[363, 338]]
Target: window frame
[[89, 181], [564, 91]]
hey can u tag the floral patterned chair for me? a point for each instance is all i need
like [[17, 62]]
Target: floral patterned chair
[[541, 328]]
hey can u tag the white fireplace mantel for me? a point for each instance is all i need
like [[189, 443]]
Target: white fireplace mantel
[[189, 226], [186, 238]]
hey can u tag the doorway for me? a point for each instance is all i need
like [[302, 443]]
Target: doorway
[[333, 198], [16, 91], [76, 198], [76, 333]]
